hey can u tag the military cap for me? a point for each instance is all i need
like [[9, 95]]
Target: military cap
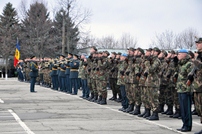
[[191, 54], [164, 52], [124, 54], [62, 55], [76, 55], [100, 52], [70, 54], [171, 51], [199, 40], [157, 49], [119, 53], [131, 49], [107, 53], [31, 57], [141, 50], [149, 49], [113, 53], [94, 48], [182, 51]]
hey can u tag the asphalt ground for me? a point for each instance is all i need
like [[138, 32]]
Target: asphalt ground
[[54, 112]]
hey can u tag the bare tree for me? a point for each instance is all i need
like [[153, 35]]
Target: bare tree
[[165, 40], [107, 42], [126, 41], [187, 38]]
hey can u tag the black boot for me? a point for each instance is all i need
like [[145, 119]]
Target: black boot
[[113, 97], [119, 99], [95, 98], [177, 114], [147, 114], [136, 111], [141, 115], [130, 108], [194, 112], [161, 108], [103, 101], [154, 116], [170, 110], [99, 99], [91, 97]]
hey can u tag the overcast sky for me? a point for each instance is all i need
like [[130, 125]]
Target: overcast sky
[[140, 18]]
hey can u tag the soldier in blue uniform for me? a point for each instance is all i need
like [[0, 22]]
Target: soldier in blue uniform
[[61, 75], [74, 66], [53, 74], [67, 72], [33, 73]]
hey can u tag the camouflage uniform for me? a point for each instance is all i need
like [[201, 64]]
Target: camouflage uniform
[[89, 76], [184, 92], [102, 77], [152, 84]]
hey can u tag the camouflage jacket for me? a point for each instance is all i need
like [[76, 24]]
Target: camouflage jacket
[[183, 71], [102, 68], [122, 66], [153, 70], [82, 70], [197, 83], [162, 72], [113, 72]]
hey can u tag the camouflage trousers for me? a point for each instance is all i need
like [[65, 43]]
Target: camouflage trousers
[[175, 99], [89, 84], [153, 98], [94, 86], [145, 96], [114, 87], [102, 88], [198, 103], [129, 93], [166, 95], [137, 95]]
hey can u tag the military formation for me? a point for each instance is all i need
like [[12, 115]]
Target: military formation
[[150, 78]]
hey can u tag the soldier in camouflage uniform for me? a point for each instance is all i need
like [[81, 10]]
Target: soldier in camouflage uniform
[[89, 71], [197, 84], [163, 85], [121, 70], [172, 78], [144, 91], [184, 91], [153, 82], [129, 80], [113, 76], [136, 92], [102, 77]]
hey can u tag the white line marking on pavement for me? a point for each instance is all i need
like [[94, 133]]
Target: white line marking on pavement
[[197, 123], [1, 101], [22, 124]]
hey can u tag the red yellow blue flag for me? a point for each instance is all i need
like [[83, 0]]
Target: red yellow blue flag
[[17, 54]]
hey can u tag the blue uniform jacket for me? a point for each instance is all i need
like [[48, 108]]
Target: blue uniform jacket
[[33, 70], [74, 66]]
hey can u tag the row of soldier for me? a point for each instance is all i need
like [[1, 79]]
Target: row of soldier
[[152, 78]]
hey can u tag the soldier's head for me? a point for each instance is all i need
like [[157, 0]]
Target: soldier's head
[[156, 51], [69, 55], [191, 54], [139, 51], [75, 56], [182, 54], [130, 51], [33, 58], [93, 49], [199, 44], [118, 55], [100, 54], [113, 55], [123, 56], [106, 54], [62, 57], [163, 54], [148, 52]]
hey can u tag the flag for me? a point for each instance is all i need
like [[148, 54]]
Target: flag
[[17, 53]]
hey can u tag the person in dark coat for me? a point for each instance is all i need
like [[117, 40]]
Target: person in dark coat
[[33, 73]]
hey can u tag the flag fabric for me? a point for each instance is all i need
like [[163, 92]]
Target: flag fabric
[[17, 54]]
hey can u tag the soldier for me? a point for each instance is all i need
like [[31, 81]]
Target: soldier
[[74, 66], [121, 70], [136, 92], [89, 71], [153, 82], [102, 77], [62, 76], [197, 84], [184, 91], [113, 75], [144, 91], [67, 72], [53, 74], [129, 76], [83, 76], [33, 73]]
